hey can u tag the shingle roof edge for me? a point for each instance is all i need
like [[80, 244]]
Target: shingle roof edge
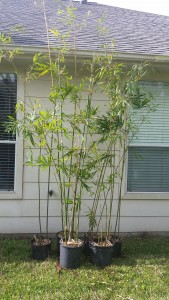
[[27, 50]]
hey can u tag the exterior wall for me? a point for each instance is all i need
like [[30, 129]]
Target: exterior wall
[[21, 215]]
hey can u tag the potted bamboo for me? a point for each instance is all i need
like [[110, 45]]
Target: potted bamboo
[[64, 136], [77, 168], [114, 128], [32, 129]]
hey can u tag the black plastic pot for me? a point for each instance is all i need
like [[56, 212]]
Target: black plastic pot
[[117, 246], [88, 237], [40, 252], [59, 237], [101, 255], [70, 255], [86, 247]]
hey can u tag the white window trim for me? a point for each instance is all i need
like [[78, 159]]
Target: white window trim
[[18, 180], [140, 195]]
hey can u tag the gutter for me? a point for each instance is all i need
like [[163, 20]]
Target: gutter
[[28, 51]]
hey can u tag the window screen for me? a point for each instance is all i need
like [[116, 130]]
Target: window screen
[[8, 96], [148, 153]]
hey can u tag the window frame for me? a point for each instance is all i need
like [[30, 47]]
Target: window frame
[[129, 195], [18, 174], [126, 195]]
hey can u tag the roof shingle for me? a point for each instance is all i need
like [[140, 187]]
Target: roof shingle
[[132, 31]]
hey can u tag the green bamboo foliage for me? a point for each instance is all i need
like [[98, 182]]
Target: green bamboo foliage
[[81, 145], [115, 128]]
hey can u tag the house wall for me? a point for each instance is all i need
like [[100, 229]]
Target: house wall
[[138, 214]]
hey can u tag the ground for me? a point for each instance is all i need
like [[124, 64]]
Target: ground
[[141, 273]]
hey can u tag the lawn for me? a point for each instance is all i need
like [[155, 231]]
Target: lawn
[[141, 273]]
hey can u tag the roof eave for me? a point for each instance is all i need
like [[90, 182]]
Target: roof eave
[[27, 51]]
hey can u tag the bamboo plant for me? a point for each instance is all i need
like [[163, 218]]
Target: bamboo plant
[[70, 141], [115, 127]]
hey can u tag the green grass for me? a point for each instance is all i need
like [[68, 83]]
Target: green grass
[[141, 273]]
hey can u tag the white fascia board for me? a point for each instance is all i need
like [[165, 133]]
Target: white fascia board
[[27, 51]]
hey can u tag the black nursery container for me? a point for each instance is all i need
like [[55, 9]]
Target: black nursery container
[[117, 245], [40, 252], [101, 255], [70, 255], [59, 237], [86, 247], [87, 239]]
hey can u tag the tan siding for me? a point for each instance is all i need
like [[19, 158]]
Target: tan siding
[[30, 191], [30, 208], [38, 88], [145, 208], [30, 174], [21, 216], [11, 225], [139, 224], [10, 208]]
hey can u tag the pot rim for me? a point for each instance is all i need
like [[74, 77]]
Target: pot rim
[[40, 245], [108, 245], [72, 243]]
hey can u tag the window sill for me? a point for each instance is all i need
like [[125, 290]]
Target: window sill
[[10, 195], [146, 196]]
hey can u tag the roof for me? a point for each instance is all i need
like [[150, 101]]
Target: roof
[[132, 31]]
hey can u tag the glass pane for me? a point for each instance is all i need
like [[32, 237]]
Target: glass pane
[[155, 128], [148, 169], [7, 167], [8, 92]]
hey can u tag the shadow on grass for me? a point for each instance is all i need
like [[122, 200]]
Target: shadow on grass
[[133, 250], [157, 246], [141, 250], [121, 261], [18, 250]]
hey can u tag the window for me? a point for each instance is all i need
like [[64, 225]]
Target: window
[[8, 96], [148, 153], [11, 147]]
